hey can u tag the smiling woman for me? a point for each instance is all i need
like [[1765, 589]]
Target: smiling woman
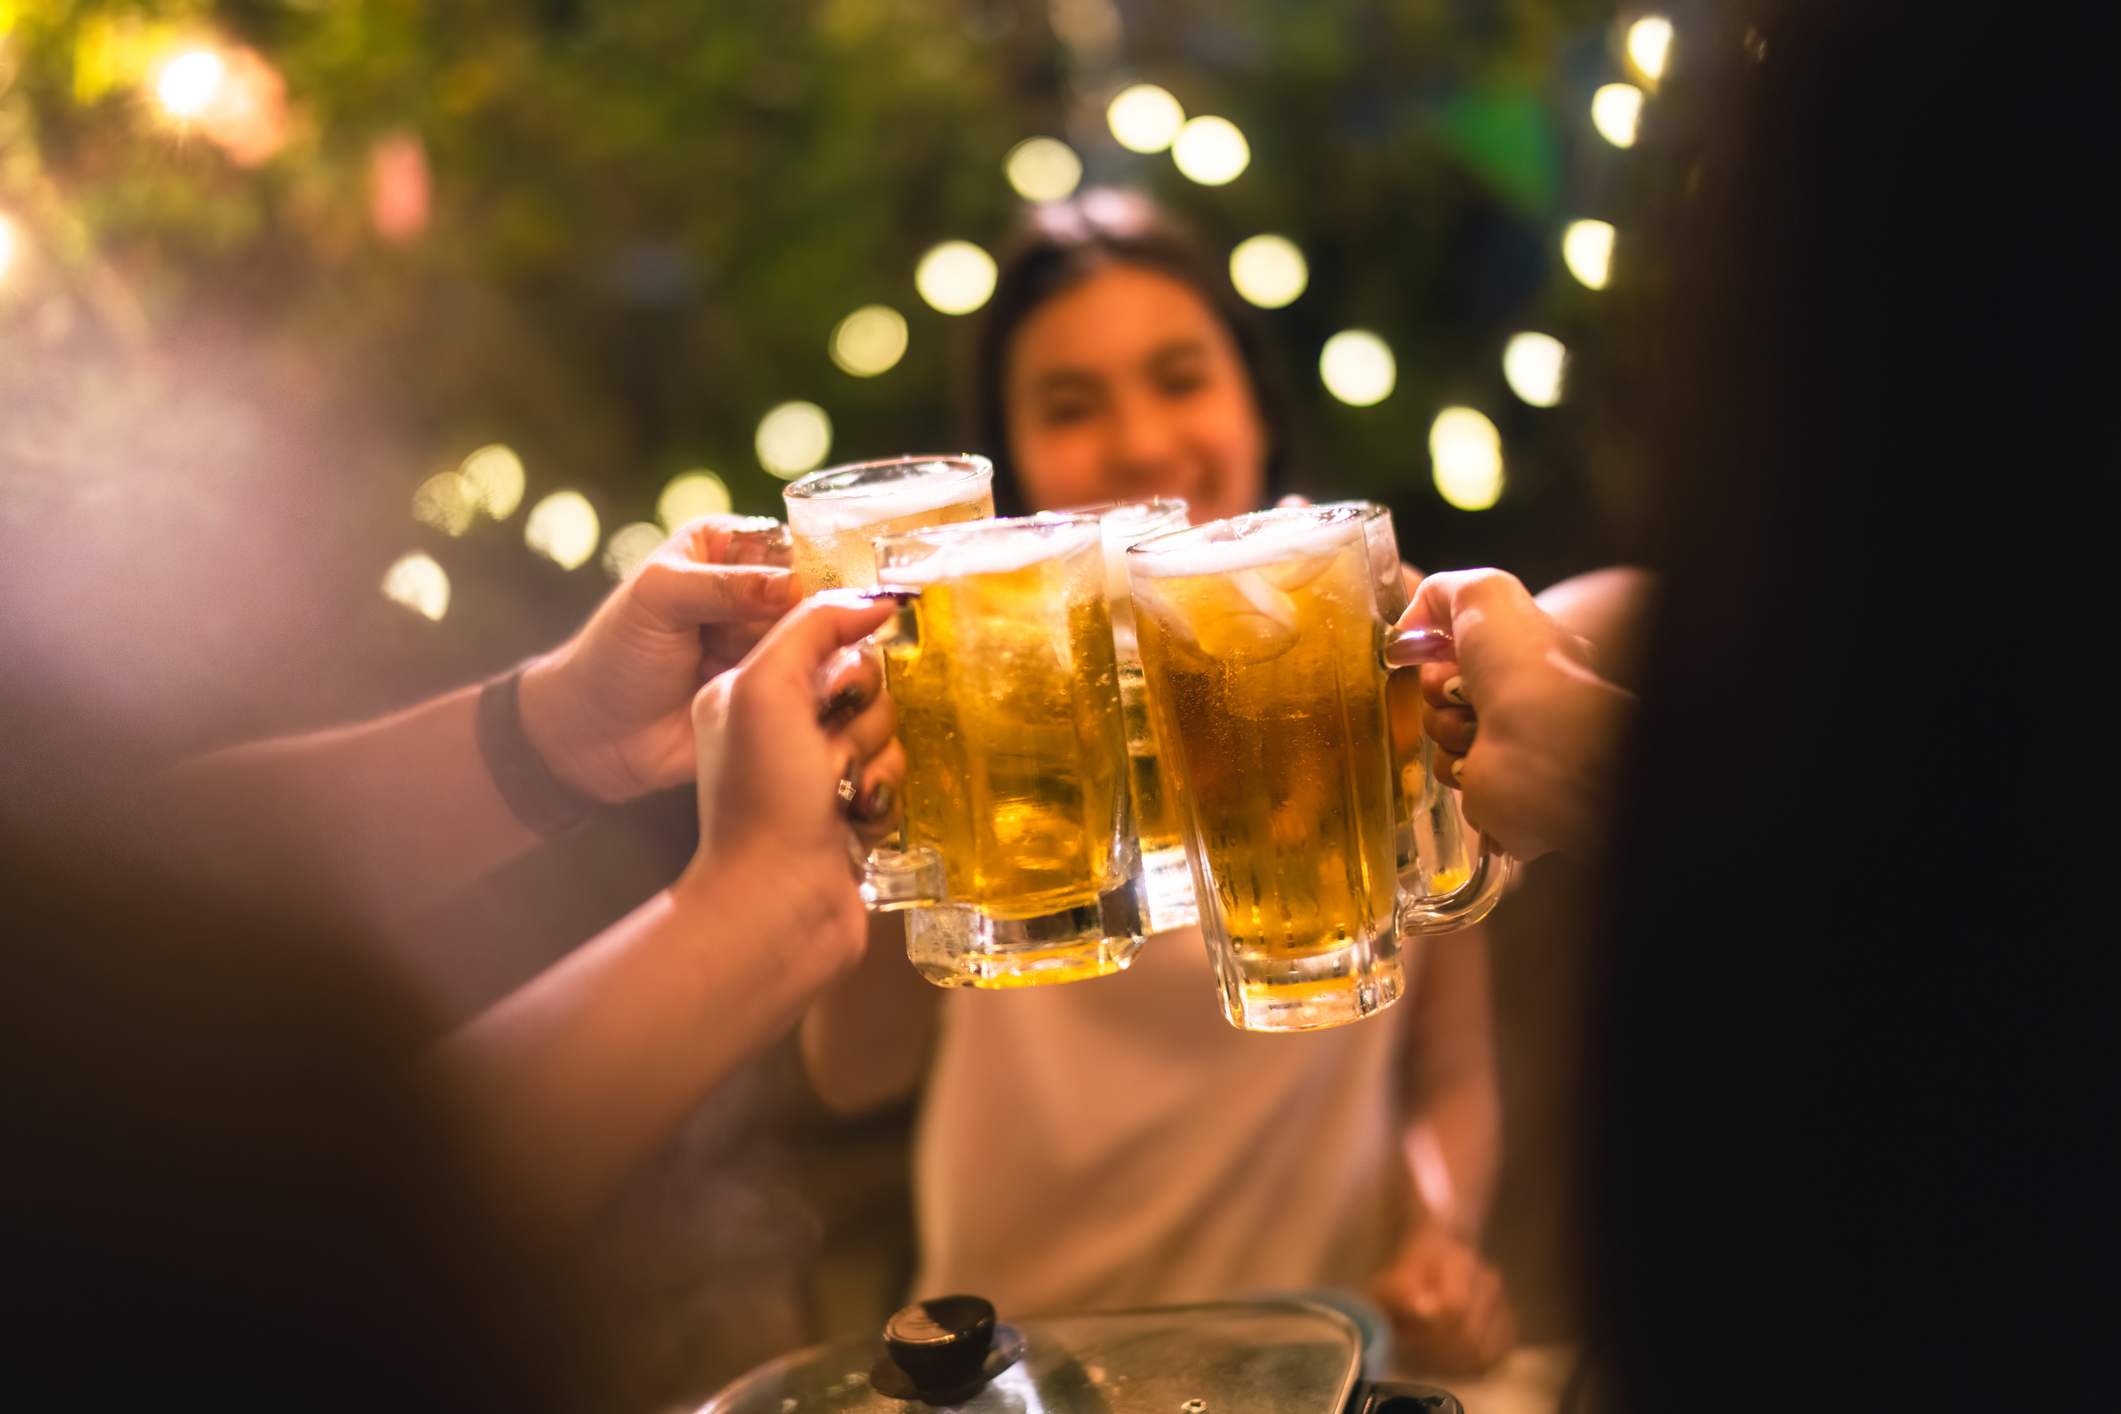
[[1067, 1131], [1117, 362]]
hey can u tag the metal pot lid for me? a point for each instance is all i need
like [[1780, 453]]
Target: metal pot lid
[[1264, 1357]]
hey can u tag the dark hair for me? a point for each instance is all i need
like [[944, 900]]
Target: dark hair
[[1059, 245], [1778, 1141]]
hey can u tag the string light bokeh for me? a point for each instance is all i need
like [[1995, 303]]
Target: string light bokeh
[[533, 346]]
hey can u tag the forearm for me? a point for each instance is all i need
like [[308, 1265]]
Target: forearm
[[385, 817], [864, 1041], [579, 1075], [1452, 1119], [1609, 609]]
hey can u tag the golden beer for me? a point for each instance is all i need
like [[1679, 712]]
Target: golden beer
[[1260, 641], [1435, 851], [836, 516], [1009, 712], [1167, 882]]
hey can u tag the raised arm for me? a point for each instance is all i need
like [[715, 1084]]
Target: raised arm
[[581, 1073], [389, 816], [1609, 610], [867, 1037]]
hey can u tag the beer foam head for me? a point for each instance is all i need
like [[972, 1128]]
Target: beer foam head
[[849, 497], [1245, 542], [986, 547]]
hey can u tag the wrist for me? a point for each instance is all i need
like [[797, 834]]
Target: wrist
[[522, 775], [756, 894], [556, 726]]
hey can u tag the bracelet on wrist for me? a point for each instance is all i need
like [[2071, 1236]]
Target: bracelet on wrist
[[537, 797]]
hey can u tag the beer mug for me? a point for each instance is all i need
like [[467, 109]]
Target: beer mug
[[1017, 859], [1264, 652], [1167, 880], [1440, 855], [836, 515]]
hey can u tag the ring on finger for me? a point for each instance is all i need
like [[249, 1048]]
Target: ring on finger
[[849, 789]]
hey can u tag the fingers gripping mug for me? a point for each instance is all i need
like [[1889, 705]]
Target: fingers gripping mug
[[1264, 651], [1018, 862]]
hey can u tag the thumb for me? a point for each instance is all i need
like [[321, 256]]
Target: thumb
[[798, 645]]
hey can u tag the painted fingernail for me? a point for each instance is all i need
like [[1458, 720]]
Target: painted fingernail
[[1472, 731], [843, 705], [878, 803], [1455, 689], [1458, 770]]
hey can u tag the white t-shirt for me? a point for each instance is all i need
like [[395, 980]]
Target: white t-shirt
[[1118, 1143]]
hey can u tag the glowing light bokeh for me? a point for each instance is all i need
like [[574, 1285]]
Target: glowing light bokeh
[[563, 528], [1587, 249], [629, 548], [869, 341], [689, 496], [1535, 365], [955, 277], [1616, 111], [793, 439], [1466, 453], [418, 583], [446, 502], [1358, 368], [1145, 118], [1269, 271], [494, 476], [400, 187], [1650, 45], [1043, 169], [9, 244], [189, 83], [1211, 151]]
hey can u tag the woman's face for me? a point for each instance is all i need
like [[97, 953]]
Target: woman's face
[[1127, 386]]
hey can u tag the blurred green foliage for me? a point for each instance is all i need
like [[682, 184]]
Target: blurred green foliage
[[648, 215]]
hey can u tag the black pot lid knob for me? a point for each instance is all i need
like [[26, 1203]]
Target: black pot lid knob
[[941, 1343]]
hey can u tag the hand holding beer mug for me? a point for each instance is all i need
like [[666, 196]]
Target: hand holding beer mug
[[1266, 660], [1019, 864]]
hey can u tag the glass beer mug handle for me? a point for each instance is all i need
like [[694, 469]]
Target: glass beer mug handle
[[1469, 902], [892, 878], [1487, 869]]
